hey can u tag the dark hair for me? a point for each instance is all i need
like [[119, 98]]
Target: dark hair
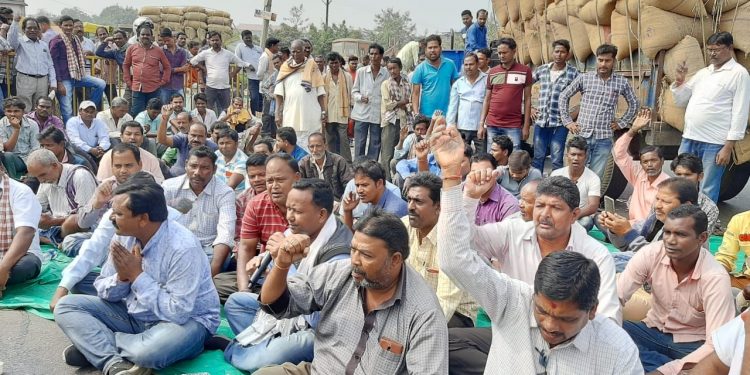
[[387, 227], [200, 96], [53, 133], [14, 101], [203, 152], [504, 142], [371, 169], [466, 12], [64, 18], [212, 34], [287, 133], [579, 143], [43, 19], [519, 159], [220, 126], [333, 56], [285, 51], [316, 134], [193, 44], [510, 42], [255, 160], [560, 187], [606, 49], [179, 34], [43, 99], [484, 51], [428, 181], [131, 124], [433, 38], [377, 47], [353, 58], [564, 43], [685, 189], [270, 42], [397, 61], [689, 161], [145, 26], [568, 276], [229, 133], [421, 119], [121, 32], [649, 148], [472, 54], [290, 161], [165, 32], [266, 141], [722, 38], [700, 219], [468, 151], [322, 194], [26, 21], [482, 11], [154, 103], [123, 147], [483, 156], [246, 33], [146, 196], [176, 95]]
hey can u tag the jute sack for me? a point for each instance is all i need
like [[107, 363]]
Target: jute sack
[[155, 18], [556, 12], [600, 10], [737, 22], [669, 112], [501, 12], [623, 36], [687, 50], [715, 7], [195, 16], [540, 5], [196, 24], [533, 41], [526, 10], [195, 9], [522, 50], [687, 8], [598, 35], [514, 9], [174, 26], [220, 28], [190, 32], [662, 30], [579, 41], [172, 10], [201, 34], [217, 13], [168, 17], [219, 21], [574, 6], [148, 11]]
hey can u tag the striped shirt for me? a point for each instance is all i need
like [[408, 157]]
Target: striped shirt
[[61, 201], [225, 169], [262, 218], [598, 104], [549, 93]]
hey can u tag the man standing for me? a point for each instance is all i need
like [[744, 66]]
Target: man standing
[[467, 19], [36, 73], [250, 53], [300, 94], [326, 166], [156, 304], [596, 121], [218, 60], [508, 97], [395, 112], [114, 48], [588, 183], [212, 215], [549, 132], [150, 69], [265, 62], [178, 62], [717, 99], [45, 28], [87, 132], [67, 57], [366, 94], [131, 132], [338, 87], [466, 101], [476, 34], [432, 81]]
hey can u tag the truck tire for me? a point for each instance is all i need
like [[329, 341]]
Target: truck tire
[[734, 180], [613, 182]]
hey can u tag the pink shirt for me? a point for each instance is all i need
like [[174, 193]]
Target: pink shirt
[[689, 309], [149, 163], [644, 192]]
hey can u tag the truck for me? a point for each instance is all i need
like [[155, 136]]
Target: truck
[[651, 36]]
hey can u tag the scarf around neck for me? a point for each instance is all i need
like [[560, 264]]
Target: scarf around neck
[[76, 65]]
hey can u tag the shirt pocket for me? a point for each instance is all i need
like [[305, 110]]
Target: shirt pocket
[[387, 363]]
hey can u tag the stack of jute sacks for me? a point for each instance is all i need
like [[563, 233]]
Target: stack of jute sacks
[[194, 21]]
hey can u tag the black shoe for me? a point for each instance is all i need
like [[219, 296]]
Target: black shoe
[[73, 357], [217, 342], [125, 367]]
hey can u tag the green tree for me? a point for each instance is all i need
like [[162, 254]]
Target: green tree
[[392, 28], [294, 26], [116, 15], [77, 13], [322, 37]]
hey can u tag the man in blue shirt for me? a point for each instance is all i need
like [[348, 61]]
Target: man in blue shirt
[[432, 81], [369, 179], [286, 141], [197, 136], [156, 302], [476, 36]]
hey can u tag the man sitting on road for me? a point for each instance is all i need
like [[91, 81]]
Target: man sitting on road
[[369, 179], [131, 133], [588, 183]]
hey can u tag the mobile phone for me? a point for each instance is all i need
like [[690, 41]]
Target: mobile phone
[[609, 205]]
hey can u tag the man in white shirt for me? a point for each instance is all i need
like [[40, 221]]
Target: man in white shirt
[[366, 97], [218, 60], [467, 98], [87, 132], [250, 53], [115, 116], [730, 349], [588, 183], [718, 100]]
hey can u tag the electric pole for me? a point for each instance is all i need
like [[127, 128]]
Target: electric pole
[[327, 3], [264, 35]]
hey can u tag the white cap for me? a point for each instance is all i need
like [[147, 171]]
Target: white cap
[[86, 104]]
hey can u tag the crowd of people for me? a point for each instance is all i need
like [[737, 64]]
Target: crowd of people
[[440, 244]]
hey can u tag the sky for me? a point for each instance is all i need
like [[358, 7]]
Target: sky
[[442, 16]]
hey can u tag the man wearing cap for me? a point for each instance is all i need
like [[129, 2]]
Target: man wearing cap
[[150, 69], [88, 132]]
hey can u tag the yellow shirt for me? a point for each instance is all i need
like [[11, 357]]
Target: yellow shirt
[[736, 239]]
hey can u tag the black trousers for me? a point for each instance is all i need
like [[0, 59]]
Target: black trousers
[[468, 349], [27, 268]]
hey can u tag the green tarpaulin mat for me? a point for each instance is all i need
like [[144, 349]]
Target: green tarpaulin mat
[[34, 297]]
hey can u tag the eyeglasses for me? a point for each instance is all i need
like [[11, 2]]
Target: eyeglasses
[[714, 51]]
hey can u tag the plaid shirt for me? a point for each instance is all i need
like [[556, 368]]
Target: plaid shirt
[[598, 104], [549, 94]]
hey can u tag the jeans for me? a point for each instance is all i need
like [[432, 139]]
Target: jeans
[[552, 139], [256, 100], [166, 95], [72, 243], [513, 133], [712, 173], [218, 99], [657, 348], [470, 136], [66, 101], [621, 260], [240, 309], [86, 285], [587, 222], [388, 141], [140, 100], [598, 155], [337, 140], [361, 130], [27, 268], [268, 119], [105, 333]]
